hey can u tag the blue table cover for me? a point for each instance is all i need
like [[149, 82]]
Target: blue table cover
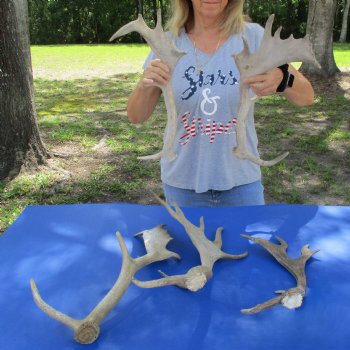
[[72, 253]]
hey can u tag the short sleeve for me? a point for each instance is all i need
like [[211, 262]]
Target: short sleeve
[[259, 32]]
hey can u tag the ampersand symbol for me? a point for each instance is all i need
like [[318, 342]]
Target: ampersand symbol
[[210, 101]]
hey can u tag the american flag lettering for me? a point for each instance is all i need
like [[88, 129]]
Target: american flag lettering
[[211, 128]]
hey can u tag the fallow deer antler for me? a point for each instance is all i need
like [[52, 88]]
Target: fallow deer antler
[[272, 53], [87, 330], [293, 297], [165, 50], [209, 252]]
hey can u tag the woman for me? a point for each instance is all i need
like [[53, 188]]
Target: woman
[[206, 87]]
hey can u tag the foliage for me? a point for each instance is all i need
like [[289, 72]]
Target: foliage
[[290, 14], [84, 21], [94, 21]]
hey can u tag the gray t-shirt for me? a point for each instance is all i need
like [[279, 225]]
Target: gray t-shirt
[[207, 105]]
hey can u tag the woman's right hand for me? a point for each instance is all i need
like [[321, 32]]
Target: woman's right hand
[[157, 73]]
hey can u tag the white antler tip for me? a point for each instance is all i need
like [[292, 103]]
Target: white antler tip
[[33, 286]]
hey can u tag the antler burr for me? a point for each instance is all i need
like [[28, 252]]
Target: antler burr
[[165, 50], [87, 330], [272, 53], [293, 297], [209, 251]]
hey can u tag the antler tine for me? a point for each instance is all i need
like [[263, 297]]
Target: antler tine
[[176, 214], [263, 306], [193, 280], [139, 25], [242, 153], [233, 256], [268, 25], [201, 224], [293, 297], [218, 237], [269, 246], [307, 253], [283, 243], [278, 33], [87, 330], [159, 19], [49, 310], [155, 156], [125, 253]]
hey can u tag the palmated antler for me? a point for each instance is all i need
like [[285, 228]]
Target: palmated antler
[[272, 53], [165, 50], [87, 330], [293, 297], [209, 251]]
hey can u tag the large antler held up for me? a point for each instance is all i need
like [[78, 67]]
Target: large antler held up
[[209, 251], [87, 330], [165, 50], [272, 53], [293, 297]]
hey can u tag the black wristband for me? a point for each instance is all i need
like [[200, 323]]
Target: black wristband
[[287, 80]]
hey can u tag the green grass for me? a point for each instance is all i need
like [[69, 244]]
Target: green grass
[[79, 61], [81, 93], [342, 54]]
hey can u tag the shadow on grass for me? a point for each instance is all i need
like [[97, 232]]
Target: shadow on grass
[[89, 109], [318, 138], [77, 114]]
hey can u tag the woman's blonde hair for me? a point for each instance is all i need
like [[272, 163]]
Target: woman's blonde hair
[[183, 17]]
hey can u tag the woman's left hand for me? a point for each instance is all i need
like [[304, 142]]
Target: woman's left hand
[[265, 84]]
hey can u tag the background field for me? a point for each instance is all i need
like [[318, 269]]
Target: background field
[[81, 93]]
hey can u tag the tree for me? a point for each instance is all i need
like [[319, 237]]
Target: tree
[[320, 24], [344, 27], [20, 142], [290, 14]]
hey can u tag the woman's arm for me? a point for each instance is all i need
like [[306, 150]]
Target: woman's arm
[[300, 94], [142, 102], [145, 97]]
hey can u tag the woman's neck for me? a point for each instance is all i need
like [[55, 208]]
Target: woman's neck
[[206, 34], [205, 26]]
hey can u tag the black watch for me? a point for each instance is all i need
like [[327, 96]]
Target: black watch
[[287, 80]]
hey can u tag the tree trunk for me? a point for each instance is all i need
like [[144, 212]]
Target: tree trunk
[[344, 26], [20, 143], [320, 24]]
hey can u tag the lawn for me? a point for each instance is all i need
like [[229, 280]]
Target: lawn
[[86, 61], [81, 93], [342, 54]]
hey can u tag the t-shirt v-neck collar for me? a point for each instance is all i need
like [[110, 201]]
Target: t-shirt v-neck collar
[[199, 51]]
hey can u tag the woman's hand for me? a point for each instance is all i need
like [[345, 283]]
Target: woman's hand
[[265, 84], [300, 94], [157, 73]]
